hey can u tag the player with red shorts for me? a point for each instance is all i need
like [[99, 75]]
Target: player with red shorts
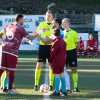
[[14, 34], [58, 60]]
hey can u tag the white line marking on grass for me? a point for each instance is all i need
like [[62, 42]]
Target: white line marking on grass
[[27, 58], [80, 70], [43, 69], [90, 71], [80, 59], [89, 59], [90, 65], [22, 61], [21, 65]]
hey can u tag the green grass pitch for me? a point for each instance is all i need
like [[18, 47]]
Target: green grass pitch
[[89, 81]]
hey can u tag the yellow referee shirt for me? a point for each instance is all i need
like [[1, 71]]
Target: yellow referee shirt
[[71, 39], [45, 30]]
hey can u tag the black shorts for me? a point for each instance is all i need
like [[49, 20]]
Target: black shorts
[[71, 60], [44, 53]]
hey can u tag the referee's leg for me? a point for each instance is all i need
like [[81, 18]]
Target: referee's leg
[[51, 74], [40, 63], [72, 56]]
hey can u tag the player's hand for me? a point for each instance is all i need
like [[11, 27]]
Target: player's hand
[[36, 34], [91, 48], [45, 40], [28, 41]]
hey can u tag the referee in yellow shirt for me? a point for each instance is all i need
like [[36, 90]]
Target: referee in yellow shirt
[[71, 40], [45, 31]]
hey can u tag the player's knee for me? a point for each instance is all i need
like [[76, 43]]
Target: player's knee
[[38, 66]]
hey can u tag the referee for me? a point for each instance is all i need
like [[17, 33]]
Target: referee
[[71, 40], [45, 31]]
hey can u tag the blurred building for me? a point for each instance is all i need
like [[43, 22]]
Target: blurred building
[[79, 11]]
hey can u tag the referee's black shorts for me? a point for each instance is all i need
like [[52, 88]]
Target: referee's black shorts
[[44, 53], [71, 60]]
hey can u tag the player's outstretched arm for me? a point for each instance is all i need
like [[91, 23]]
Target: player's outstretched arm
[[35, 35], [46, 40]]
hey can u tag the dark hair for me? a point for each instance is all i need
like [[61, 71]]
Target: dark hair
[[57, 32], [57, 20], [19, 17]]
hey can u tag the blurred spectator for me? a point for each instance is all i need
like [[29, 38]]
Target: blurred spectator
[[81, 51], [92, 47]]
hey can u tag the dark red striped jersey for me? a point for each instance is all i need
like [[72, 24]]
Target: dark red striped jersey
[[14, 34], [58, 55]]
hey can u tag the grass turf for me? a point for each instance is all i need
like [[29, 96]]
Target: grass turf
[[24, 82]]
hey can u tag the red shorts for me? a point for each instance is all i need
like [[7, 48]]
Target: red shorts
[[8, 60]]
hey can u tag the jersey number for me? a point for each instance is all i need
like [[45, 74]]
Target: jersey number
[[9, 34]]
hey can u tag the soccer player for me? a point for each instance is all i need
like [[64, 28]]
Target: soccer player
[[91, 46], [71, 40], [45, 31], [14, 33], [58, 59]]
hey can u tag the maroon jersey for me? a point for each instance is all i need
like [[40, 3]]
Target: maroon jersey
[[81, 44], [14, 34], [91, 43], [58, 55]]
